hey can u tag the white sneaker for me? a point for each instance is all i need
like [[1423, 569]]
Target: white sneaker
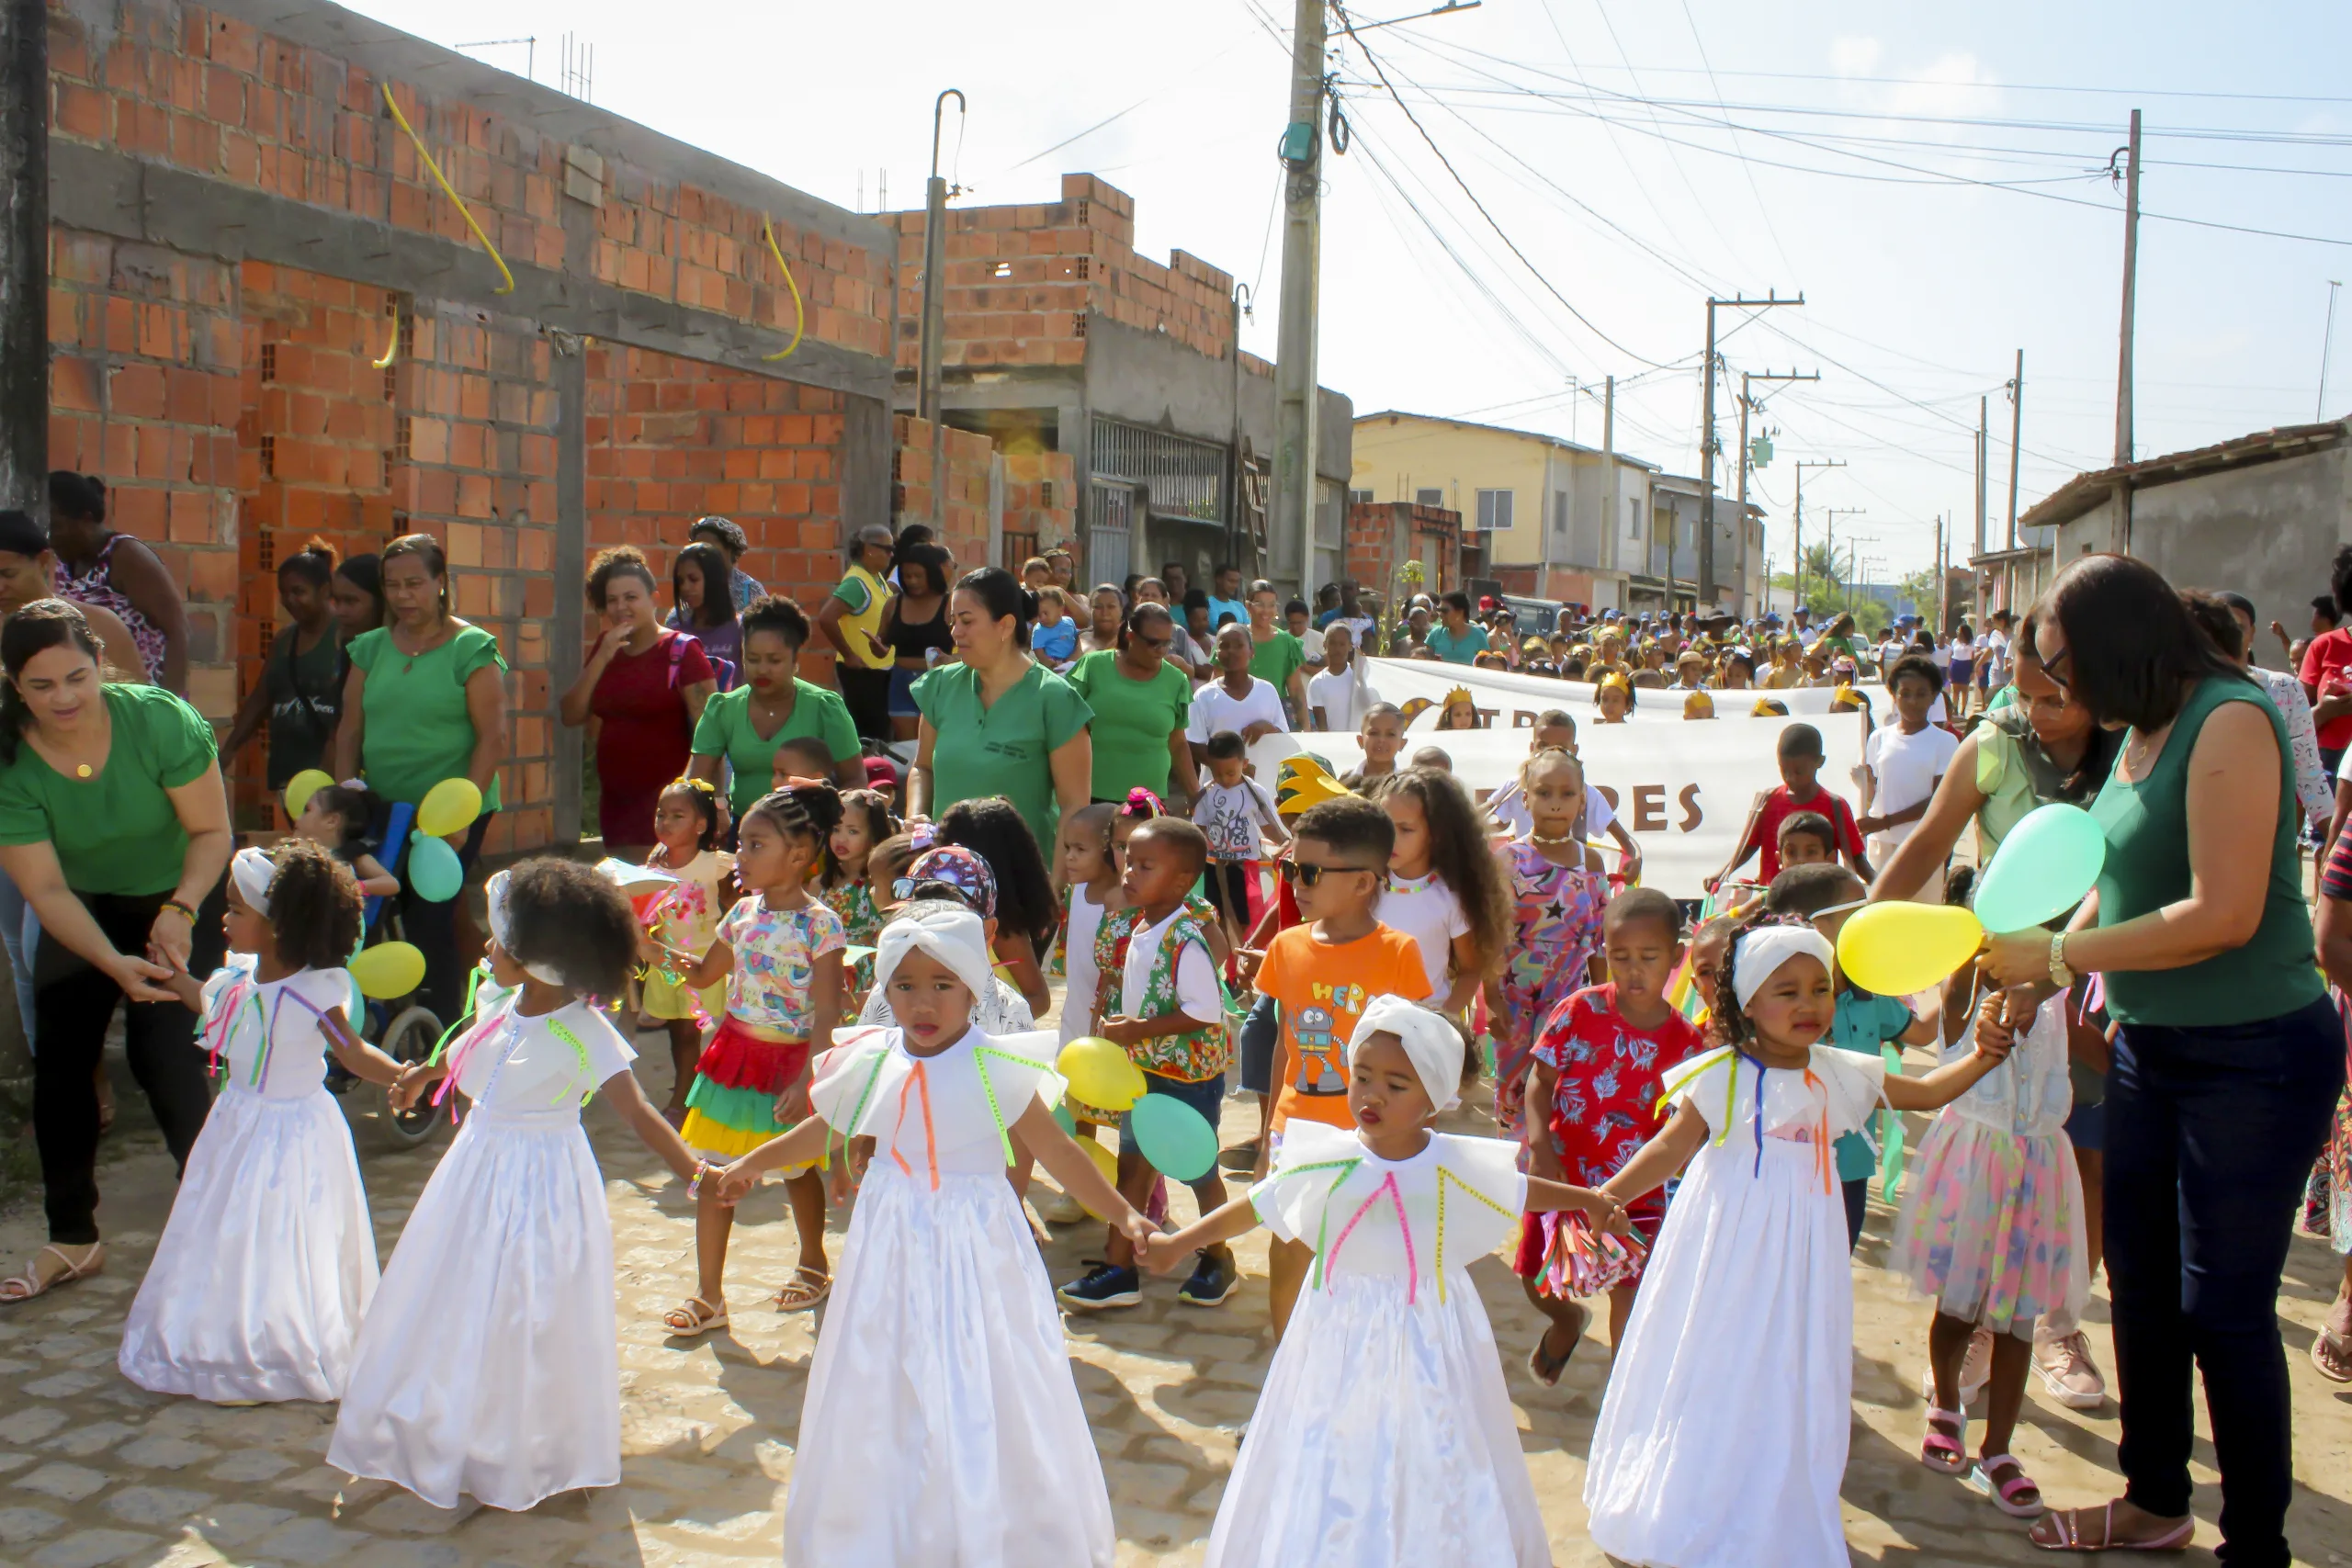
[[2068, 1372], [1061, 1209], [1975, 1371]]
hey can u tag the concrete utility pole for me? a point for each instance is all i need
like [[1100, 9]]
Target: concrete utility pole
[[1798, 574], [1943, 577], [1233, 484], [2130, 277], [1983, 406], [1707, 459], [24, 258], [1290, 522], [934, 314], [1609, 455], [2327, 343], [1831, 512], [1746, 404], [2017, 422]]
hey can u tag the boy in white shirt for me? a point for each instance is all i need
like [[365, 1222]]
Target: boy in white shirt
[[1340, 695], [1904, 761], [1237, 815]]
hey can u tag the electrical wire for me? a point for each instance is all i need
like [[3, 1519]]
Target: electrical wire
[[1762, 212]]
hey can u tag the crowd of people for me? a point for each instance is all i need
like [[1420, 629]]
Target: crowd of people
[[845, 907]]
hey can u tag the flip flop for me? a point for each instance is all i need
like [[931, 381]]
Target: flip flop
[[2070, 1534], [24, 1287], [695, 1319], [1543, 1368], [2005, 1493]]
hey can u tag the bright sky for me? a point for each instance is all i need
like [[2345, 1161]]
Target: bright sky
[[1929, 177]]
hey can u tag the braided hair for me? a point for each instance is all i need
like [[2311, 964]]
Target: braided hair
[[804, 808]]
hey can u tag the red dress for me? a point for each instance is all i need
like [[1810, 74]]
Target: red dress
[[644, 732]]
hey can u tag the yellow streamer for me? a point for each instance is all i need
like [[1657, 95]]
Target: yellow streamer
[[391, 349], [799, 311], [442, 180]]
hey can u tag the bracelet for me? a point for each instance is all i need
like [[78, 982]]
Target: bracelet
[[702, 1168], [185, 912]]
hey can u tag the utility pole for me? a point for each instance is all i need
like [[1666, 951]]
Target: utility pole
[[2130, 274], [1831, 512], [1241, 307], [1983, 409], [1801, 466], [934, 315], [1291, 508], [24, 258], [1942, 577], [1707, 456], [2327, 343], [2017, 423], [1609, 455], [1746, 404]]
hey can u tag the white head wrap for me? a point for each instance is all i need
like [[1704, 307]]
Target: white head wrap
[[252, 872], [952, 936], [1762, 953], [501, 933], [1432, 1044]]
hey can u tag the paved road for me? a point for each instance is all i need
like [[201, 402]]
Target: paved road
[[93, 1470]]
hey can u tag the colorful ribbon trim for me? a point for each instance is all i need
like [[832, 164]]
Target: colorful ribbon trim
[[1388, 1187], [1445, 1175], [918, 1083]]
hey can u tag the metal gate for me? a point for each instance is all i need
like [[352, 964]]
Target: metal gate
[[1110, 531]]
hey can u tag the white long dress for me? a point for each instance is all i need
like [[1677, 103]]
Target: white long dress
[[942, 1427], [269, 1261], [489, 1366], [1722, 1438], [1385, 1435]]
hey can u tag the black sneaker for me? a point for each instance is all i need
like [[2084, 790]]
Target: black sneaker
[[1214, 1279], [1103, 1286], [1241, 1157]]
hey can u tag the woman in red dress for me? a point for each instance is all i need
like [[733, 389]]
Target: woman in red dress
[[643, 687]]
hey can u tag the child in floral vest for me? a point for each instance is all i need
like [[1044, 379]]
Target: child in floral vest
[[1162, 1001]]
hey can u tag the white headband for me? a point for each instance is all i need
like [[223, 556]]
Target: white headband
[[252, 872], [1432, 1044], [952, 936], [501, 933], [1762, 952]]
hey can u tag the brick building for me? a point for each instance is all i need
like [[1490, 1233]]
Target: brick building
[[1384, 536], [1061, 339], [268, 322]]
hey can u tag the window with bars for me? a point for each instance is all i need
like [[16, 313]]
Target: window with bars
[[1180, 476], [1494, 510]]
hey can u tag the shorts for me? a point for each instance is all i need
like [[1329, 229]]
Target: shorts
[[1856, 1193], [1207, 1097], [903, 693], [2086, 1126], [665, 998], [1261, 1033]]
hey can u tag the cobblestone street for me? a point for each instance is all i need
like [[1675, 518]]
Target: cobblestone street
[[93, 1470]]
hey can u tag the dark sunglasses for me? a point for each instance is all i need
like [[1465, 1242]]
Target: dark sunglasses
[[1309, 876], [1149, 641]]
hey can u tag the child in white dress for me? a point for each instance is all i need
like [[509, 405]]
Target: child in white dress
[[488, 1365], [1385, 1435], [1722, 1438], [941, 1427], [268, 1261]]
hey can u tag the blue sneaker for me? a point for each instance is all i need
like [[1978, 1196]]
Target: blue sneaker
[[1103, 1286]]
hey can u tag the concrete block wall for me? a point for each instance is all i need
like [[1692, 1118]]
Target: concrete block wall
[[1041, 498], [1382, 536]]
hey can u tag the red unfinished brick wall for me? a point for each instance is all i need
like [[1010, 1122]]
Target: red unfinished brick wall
[[1041, 499], [911, 498], [1382, 537]]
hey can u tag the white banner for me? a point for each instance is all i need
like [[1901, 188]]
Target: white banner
[[1682, 787], [1508, 700]]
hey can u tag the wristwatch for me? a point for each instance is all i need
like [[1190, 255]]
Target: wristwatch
[[2060, 975]]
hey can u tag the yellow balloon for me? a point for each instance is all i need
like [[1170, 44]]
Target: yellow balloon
[[387, 970], [1105, 1161], [1896, 949], [301, 787], [449, 806], [1100, 1073]]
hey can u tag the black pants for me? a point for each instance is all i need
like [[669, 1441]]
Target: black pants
[[2209, 1135], [432, 928], [866, 694], [1228, 888], [74, 1002], [1858, 1207]]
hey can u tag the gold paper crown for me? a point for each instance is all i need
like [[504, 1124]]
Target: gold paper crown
[[1769, 708], [1303, 782], [1459, 694], [1698, 705]]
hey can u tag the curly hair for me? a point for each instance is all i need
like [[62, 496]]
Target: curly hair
[[1724, 1006], [621, 560], [703, 797], [778, 617], [1461, 857], [315, 907], [994, 829], [565, 915], [809, 809]]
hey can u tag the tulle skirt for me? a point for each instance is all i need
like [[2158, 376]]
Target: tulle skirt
[[1722, 1438], [1384, 1437], [266, 1264], [1992, 1226], [941, 1427], [488, 1365]]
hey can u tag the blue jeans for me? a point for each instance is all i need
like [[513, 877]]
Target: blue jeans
[[2210, 1133], [21, 934]]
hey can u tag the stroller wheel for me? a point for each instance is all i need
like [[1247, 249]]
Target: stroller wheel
[[410, 1037]]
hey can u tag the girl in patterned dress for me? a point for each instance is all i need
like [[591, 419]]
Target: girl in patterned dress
[[866, 822], [684, 915], [779, 951], [1557, 891]]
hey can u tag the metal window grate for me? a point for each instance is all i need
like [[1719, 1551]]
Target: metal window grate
[[1110, 531], [1180, 476]]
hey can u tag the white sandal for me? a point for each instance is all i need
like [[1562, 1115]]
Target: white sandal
[[24, 1287], [695, 1319]]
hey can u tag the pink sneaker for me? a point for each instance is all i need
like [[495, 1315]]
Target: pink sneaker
[[2068, 1372], [1975, 1370]]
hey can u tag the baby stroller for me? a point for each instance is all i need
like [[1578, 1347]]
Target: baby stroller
[[403, 1028]]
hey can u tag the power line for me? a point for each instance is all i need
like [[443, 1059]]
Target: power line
[[1746, 168]]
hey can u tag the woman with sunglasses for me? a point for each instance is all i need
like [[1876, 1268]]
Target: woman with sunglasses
[[1141, 703], [2227, 1056]]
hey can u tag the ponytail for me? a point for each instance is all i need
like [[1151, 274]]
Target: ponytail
[[41, 626]]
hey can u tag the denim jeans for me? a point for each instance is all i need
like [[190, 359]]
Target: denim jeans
[[21, 934], [2210, 1133]]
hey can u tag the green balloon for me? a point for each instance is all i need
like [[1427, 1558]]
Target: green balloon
[[2049, 863], [1176, 1139], [1065, 1121]]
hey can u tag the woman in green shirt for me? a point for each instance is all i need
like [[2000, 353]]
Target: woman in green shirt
[[997, 722], [426, 701], [114, 823], [1141, 705], [2227, 1055], [1278, 659], [744, 727]]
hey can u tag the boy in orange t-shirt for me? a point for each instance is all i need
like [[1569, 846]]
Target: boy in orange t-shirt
[[1322, 973]]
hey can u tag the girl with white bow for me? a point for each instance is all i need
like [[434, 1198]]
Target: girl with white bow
[[942, 1426], [1722, 1438], [1385, 1435], [268, 1261], [487, 1366]]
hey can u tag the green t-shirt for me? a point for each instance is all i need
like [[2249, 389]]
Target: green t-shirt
[[1133, 720], [1463, 649], [417, 729], [123, 835], [1275, 659], [1005, 749], [726, 731]]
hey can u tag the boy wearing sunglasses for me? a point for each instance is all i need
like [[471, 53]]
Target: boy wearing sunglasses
[[1320, 975]]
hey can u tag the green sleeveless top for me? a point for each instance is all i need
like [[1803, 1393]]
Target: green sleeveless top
[[2147, 867]]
